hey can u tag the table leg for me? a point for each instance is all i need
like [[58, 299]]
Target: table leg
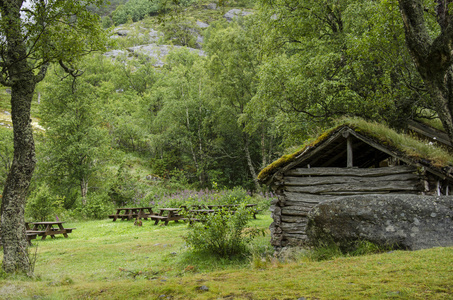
[[170, 215], [161, 213], [62, 229]]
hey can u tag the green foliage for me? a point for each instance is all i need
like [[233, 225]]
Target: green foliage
[[76, 142], [106, 22], [107, 8], [43, 205], [135, 10], [126, 189], [53, 34], [237, 195], [325, 252], [331, 250], [179, 31], [186, 197], [223, 234], [334, 59], [98, 206]]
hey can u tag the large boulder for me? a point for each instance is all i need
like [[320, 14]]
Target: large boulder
[[409, 222]]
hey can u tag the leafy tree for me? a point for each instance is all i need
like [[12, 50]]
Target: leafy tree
[[43, 205], [125, 95], [33, 37], [135, 10], [180, 31], [76, 140], [232, 64], [325, 59], [185, 119]]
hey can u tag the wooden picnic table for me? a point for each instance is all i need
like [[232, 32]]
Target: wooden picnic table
[[166, 215], [132, 213], [45, 229]]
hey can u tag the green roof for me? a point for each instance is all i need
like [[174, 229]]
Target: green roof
[[404, 146]]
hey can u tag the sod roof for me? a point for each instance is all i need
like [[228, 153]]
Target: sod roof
[[371, 143]]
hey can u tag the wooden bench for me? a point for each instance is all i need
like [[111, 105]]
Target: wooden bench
[[36, 232], [31, 236], [123, 216], [166, 215], [132, 213]]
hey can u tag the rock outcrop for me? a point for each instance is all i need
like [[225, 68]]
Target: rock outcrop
[[234, 13], [409, 222], [155, 52]]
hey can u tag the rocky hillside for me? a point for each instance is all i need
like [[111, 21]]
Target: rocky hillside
[[155, 37]]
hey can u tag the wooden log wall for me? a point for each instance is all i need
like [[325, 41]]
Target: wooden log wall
[[300, 189]]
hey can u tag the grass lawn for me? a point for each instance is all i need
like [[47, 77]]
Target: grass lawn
[[117, 260]]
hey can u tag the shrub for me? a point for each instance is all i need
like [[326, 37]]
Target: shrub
[[97, 206], [43, 205], [223, 234]]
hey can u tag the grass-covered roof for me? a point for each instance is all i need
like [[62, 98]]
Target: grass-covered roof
[[403, 146]]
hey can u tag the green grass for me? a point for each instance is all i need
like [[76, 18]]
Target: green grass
[[117, 260]]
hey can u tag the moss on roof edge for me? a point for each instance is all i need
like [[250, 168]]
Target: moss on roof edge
[[286, 159], [359, 126]]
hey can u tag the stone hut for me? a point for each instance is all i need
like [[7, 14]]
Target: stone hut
[[350, 160]]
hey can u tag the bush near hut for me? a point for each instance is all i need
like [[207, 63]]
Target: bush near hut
[[223, 234]]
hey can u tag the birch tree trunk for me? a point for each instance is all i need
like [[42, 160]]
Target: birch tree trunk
[[84, 190], [250, 162]]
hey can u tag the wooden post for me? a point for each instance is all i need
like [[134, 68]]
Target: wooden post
[[349, 153], [438, 188]]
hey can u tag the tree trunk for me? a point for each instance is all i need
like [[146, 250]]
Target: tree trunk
[[263, 147], [22, 80], [249, 162], [433, 58], [84, 190], [15, 257]]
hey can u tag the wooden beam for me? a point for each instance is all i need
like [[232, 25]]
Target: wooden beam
[[320, 180], [349, 151], [351, 172], [368, 187]]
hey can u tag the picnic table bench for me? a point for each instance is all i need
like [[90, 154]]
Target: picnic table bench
[[44, 229], [166, 215], [132, 213], [30, 236]]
